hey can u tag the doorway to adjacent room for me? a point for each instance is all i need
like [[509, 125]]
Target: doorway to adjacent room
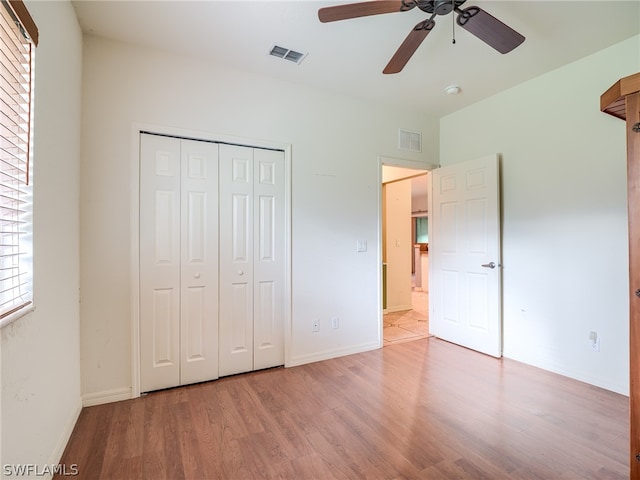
[[404, 221]]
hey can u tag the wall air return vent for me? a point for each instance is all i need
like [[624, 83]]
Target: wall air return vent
[[408, 140], [287, 54]]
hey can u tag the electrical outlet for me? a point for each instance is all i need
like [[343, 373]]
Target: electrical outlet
[[315, 326], [335, 322], [594, 341]]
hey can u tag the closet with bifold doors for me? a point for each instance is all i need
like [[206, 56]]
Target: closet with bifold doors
[[212, 260]]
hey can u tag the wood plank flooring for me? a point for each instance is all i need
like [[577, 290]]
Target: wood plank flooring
[[423, 409]]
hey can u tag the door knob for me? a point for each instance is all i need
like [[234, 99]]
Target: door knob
[[196, 275], [489, 265], [240, 272]]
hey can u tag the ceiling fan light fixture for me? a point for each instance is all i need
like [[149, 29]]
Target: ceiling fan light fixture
[[453, 89]]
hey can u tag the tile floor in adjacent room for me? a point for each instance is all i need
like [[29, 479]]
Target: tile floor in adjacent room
[[409, 324]]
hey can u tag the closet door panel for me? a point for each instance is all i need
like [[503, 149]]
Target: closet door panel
[[159, 262], [236, 259], [199, 262], [269, 247], [266, 319], [240, 319]]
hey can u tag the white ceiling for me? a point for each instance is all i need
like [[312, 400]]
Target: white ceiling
[[348, 56]]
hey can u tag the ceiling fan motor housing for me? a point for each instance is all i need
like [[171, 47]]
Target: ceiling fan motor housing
[[439, 7]]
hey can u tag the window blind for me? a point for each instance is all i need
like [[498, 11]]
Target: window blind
[[17, 40]]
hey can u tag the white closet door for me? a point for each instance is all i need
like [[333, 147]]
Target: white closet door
[[159, 262], [236, 259], [199, 262], [252, 263], [178, 262], [269, 264]]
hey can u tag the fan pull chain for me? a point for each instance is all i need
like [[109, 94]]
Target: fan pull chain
[[453, 22]]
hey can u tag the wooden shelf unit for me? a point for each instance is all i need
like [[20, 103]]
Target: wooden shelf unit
[[622, 100]]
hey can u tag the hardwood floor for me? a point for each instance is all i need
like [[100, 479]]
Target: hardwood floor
[[422, 409]]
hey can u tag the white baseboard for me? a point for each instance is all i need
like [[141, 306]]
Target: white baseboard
[[107, 396], [329, 354], [64, 438], [576, 374]]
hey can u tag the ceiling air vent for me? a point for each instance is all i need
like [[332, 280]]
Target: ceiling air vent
[[287, 54], [408, 140]]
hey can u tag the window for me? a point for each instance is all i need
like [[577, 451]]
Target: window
[[422, 229], [18, 37]]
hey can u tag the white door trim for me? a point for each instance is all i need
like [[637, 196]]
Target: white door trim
[[136, 128]]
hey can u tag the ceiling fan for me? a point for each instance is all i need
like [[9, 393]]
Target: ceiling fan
[[473, 19]]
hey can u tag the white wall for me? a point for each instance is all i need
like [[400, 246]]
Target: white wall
[[40, 351], [564, 213], [335, 142], [398, 245]]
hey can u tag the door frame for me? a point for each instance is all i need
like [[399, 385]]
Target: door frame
[[391, 162], [136, 129]]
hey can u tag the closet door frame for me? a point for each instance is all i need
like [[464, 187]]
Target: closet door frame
[[136, 130]]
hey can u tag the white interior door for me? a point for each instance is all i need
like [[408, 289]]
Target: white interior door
[[464, 251], [269, 264], [178, 262], [199, 262], [160, 172], [252, 251], [236, 259]]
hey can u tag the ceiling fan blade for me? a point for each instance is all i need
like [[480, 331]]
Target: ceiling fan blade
[[362, 9], [409, 46], [489, 29]]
